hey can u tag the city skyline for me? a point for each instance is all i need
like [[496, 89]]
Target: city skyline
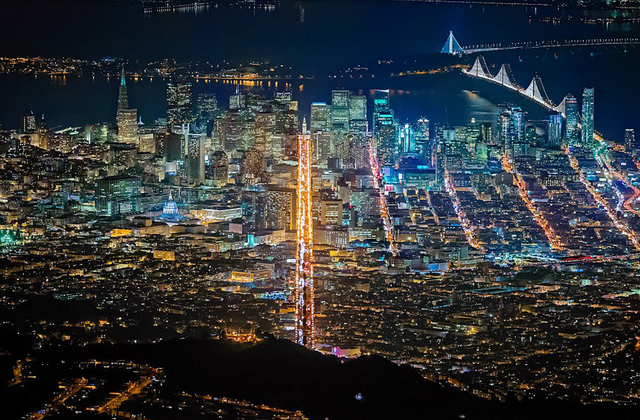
[[312, 219]]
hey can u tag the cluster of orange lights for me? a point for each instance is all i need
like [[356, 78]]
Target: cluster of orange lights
[[304, 293], [469, 231], [552, 237], [382, 199]]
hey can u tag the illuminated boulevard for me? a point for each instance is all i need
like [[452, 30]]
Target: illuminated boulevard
[[304, 284], [382, 199]]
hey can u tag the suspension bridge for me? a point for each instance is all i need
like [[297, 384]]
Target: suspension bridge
[[534, 91], [453, 47]]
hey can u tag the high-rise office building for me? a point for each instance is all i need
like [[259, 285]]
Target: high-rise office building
[[237, 100], [207, 105], [170, 146], [384, 127], [194, 159], [281, 208], [588, 129], [358, 113], [128, 126], [254, 206], [126, 118], [381, 101], [217, 168], [441, 166], [340, 110], [554, 130], [516, 129], [179, 103], [406, 139], [385, 133], [320, 117], [421, 135], [630, 141], [232, 129], [511, 129], [43, 136], [123, 93], [29, 123], [571, 111], [265, 127]]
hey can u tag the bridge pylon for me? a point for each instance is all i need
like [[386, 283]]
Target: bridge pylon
[[480, 69], [562, 107], [505, 77], [452, 46], [536, 91]]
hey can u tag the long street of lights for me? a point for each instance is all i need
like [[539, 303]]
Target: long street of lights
[[304, 287], [382, 199], [468, 228], [619, 224], [541, 220]]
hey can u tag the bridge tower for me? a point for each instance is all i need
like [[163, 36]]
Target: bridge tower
[[452, 47], [305, 324]]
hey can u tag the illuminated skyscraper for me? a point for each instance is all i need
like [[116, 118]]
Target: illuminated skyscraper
[[340, 110], [320, 117], [217, 168], [358, 113], [421, 134], [237, 100], [380, 103], [385, 132], [554, 130], [254, 204], [441, 166], [179, 103], [29, 123], [571, 110], [630, 141], [126, 118], [587, 117], [195, 158], [207, 104], [384, 128], [281, 208], [265, 126], [406, 140], [118, 195], [305, 325], [123, 94]]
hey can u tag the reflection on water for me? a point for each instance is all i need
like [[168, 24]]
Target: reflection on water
[[482, 109]]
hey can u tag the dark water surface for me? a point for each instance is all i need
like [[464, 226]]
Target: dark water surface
[[327, 36]]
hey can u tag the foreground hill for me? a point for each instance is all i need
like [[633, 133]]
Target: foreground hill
[[283, 374]]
